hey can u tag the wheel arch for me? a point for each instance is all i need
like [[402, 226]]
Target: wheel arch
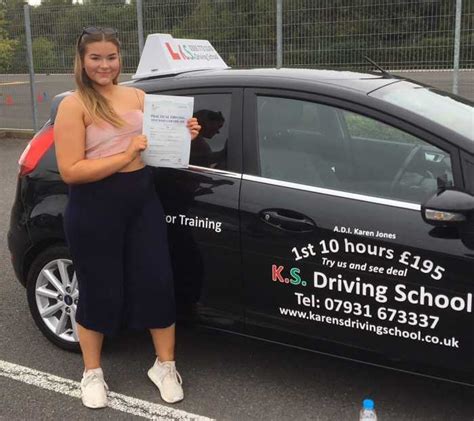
[[34, 252]]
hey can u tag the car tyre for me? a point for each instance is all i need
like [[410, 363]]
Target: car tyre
[[52, 296]]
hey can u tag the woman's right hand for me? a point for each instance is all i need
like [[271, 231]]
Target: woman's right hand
[[138, 143]]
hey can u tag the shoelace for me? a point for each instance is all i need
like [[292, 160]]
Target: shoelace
[[171, 370], [93, 378]]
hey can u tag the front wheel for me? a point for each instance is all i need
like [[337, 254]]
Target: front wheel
[[53, 295]]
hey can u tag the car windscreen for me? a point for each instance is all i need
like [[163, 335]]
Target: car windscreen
[[448, 110]]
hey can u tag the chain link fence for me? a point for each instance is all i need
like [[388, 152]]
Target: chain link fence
[[399, 35], [14, 91], [243, 32]]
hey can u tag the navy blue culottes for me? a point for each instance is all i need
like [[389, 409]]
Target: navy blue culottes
[[116, 232]]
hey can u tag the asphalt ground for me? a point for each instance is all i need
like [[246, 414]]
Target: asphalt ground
[[226, 377], [16, 112]]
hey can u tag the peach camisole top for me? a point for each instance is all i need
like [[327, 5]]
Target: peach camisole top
[[103, 139]]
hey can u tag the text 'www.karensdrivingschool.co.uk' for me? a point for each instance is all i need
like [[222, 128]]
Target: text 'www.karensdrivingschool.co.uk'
[[369, 327]]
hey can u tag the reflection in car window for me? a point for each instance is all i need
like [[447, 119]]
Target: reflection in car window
[[361, 126], [209, 149], [295, 145], [323, 146], [451, 111]]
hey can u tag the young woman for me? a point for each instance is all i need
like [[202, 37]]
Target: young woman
[[114, 221]]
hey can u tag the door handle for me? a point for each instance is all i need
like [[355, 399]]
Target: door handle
[[287, 220]]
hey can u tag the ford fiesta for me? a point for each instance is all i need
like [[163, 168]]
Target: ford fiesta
[[322, 209]]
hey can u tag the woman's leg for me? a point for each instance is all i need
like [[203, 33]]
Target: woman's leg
[[93, 387], [91, 346], [148, 287], [164, 373], [94, 231], [164, 341]]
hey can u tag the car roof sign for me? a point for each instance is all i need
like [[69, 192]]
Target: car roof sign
[[165, 55]]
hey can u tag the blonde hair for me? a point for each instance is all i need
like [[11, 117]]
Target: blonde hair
[[97, 105]]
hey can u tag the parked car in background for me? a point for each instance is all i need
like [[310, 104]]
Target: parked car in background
[[329, 210]]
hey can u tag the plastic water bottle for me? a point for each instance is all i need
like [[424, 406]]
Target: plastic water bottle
[[367, 413]]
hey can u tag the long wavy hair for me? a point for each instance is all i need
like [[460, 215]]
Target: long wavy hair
[[98, 106]]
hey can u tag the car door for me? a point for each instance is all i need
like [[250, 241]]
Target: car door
[[201, 206], [336, 255]]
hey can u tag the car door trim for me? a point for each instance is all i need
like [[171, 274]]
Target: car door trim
[[337, 193], [214, 171]]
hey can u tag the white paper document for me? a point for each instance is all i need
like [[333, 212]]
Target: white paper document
[[164, 124]]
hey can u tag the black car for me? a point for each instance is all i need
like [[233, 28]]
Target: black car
[[328, 210]]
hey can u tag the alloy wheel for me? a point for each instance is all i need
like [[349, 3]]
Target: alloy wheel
[[56, 298]]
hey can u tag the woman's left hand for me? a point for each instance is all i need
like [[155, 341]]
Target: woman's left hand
[[193, 127]]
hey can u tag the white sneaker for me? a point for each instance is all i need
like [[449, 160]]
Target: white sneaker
[[167, 379], [94, 389]]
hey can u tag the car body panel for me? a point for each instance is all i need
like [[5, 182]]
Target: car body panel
[[18, 238], [275, 270]]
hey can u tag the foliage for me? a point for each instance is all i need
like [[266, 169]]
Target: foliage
[[7, 49], [56, 2], [368, 128], [336, 34], [7, 46], [43, 55]]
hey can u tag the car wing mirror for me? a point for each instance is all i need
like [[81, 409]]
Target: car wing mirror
[[448, 208]]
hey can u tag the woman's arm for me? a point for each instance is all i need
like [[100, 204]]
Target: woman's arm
[[69, 139]]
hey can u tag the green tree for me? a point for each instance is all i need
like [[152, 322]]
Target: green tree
[[7, 46], [61, 25], [7, 50], [44, 58], [12, 4], [56, 2], [104, 2], [242, 32], [336, 33]]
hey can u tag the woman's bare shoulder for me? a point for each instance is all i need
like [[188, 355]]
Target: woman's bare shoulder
[[140, 91], [129, 89], [69, 124], [135, 93], [72, 104]]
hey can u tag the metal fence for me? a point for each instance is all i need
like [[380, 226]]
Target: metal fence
[[397, 34], [408, 34]]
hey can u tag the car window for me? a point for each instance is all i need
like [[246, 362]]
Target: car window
[[364, 127], [451, 111], [323, 146], [209, 149]]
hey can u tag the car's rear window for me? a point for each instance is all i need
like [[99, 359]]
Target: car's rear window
[[448, 110]]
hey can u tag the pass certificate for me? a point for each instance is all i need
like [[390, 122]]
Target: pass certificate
[[164, 124]]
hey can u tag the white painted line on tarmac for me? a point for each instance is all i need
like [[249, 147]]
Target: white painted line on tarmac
[[117, 401], [13, 83]]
